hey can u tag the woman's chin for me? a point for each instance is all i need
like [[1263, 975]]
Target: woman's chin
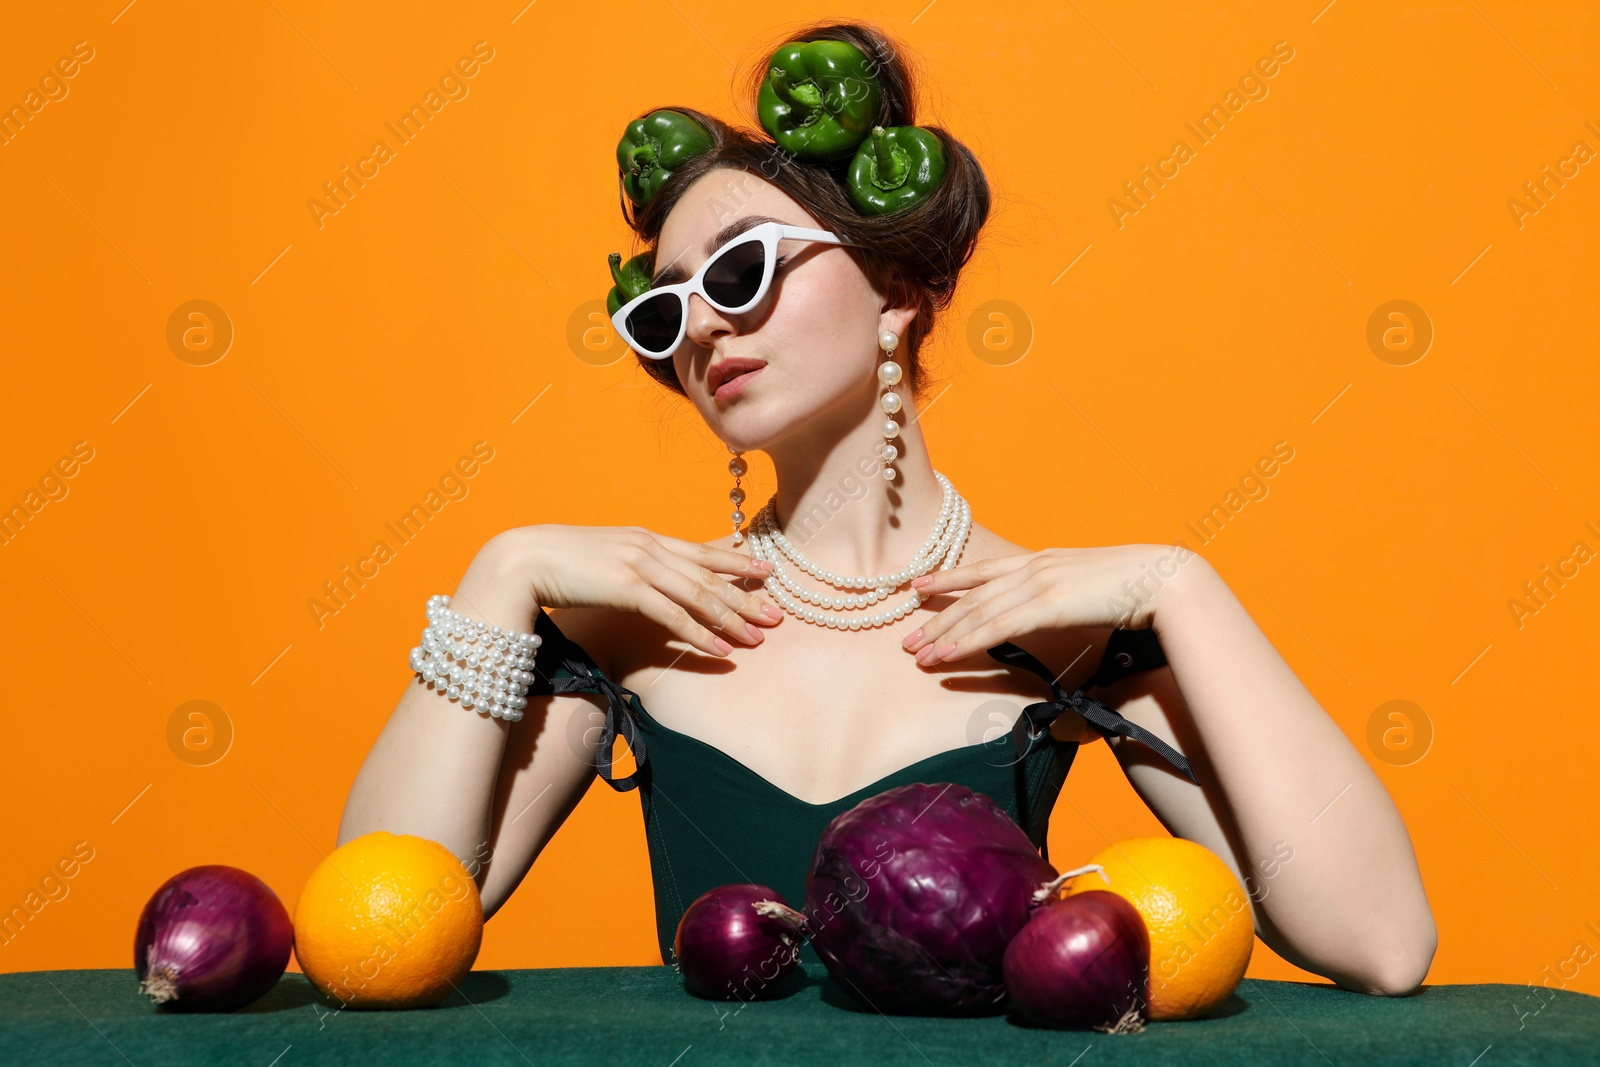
[[768, 413], [751, 424]]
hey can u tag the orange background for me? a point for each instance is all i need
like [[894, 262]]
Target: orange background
[[450, 293]]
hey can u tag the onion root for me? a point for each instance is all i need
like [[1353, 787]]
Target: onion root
[[161, 985], [1132, 1022]]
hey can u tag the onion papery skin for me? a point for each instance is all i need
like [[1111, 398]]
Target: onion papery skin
[[914, 894], [212, 938], [737, 942], [1082, 962]]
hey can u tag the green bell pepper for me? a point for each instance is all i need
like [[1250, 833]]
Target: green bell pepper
[[895, 169], [653, 147], [632, 279], [819, 99]]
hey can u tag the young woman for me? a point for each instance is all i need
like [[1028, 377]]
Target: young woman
[[754, 720]]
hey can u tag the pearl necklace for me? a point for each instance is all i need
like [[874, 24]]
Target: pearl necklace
[[941, 550]]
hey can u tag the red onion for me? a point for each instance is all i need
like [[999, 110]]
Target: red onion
[[1082, 962], [213, 938], [737, 942]]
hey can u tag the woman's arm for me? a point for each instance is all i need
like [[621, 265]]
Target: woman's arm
[[448, 774], [493, 792], [1280, 780]]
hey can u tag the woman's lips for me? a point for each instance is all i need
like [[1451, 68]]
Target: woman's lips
[[736, 385]]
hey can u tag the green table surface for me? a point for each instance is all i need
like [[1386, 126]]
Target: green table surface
[[641, 1015]]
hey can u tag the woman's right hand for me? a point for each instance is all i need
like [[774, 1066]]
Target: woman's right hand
[[677, 583]]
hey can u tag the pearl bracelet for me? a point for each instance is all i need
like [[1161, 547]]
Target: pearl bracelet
[[492, 667]]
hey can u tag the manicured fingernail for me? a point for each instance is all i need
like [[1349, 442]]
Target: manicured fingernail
[[771, 611], [912, 638], [926, 656], [760, 565], [722, 646], [924, 580], [946, 650], [755, 634]]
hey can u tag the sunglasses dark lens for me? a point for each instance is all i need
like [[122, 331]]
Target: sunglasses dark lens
[[733, 279], [654, 323]]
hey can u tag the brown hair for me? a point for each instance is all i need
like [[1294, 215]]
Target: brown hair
[[919, 251]]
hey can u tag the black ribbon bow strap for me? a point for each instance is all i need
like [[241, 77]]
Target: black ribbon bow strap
[[583, 676], [1040, 715]]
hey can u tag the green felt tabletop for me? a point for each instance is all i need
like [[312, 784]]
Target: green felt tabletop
[[641, 1015]]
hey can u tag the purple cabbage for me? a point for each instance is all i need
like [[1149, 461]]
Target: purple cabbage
[[914, 894]]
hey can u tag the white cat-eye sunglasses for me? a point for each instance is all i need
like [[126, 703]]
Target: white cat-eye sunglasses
[[733, 279]]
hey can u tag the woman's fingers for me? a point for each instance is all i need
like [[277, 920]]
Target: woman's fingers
[[701, 616], [981, 627], [721, 560], [748, 604], [676, 619], [934, 631], [968, 575], [706, 564]]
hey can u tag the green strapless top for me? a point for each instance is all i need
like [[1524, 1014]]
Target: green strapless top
[[710, 820]]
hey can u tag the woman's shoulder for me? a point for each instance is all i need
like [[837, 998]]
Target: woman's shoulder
[[614, 638], [1073, 651], [592, 629]]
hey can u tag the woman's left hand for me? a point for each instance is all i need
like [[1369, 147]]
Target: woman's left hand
[[1054, 588]]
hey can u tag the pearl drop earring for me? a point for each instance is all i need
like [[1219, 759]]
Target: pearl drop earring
[[737, 468], [889, 400]]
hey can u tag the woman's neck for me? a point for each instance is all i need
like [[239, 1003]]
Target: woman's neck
[[835, 506]]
